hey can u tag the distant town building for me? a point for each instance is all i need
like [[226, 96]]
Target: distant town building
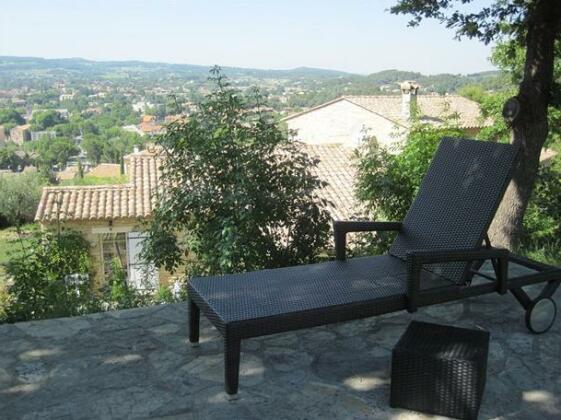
[[168, 119], [149, 126], [142, 106], [70, 172], [17, 102], [133, 129], [20, 134], [93, 110], [63, 112], [106, 170], [66, 97], [348, 119], [38, 135]]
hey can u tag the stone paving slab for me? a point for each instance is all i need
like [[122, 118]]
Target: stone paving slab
[[138, 364]]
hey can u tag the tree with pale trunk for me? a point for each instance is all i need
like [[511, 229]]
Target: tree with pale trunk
[[534, 25]]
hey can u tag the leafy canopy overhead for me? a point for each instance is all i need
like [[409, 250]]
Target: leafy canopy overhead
[[501, 17]]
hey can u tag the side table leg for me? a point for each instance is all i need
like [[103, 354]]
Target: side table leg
[[194, 318], [231, 365]]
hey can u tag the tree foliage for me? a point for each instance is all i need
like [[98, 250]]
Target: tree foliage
[[238, 194], [55, 151], [110, 146], [11, 160], [43, 120], [19, 196], [495, 19], [535, 27], [10, 116]]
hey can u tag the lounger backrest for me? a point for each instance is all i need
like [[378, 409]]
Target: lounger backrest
[[457, 200]]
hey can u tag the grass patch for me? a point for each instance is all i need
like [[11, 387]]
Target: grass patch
[[97, 180]]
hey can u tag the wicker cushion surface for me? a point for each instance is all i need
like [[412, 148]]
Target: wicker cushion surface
[[272, 292], [440, 369], [457, 200], [443, 341]]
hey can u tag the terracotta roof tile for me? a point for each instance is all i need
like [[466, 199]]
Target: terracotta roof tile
[[432, 108], [106, 170], [137, 198], [105, 202], [336, 168]]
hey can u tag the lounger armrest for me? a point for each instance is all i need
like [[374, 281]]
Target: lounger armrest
[[342, 227], [416, 259]]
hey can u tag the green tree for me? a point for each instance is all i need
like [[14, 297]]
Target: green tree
[[237, 194], [19, 197], [110, 145], [9, 159], [93, 146], [10, 116], [45, 119], [55, 151], [534, 25]]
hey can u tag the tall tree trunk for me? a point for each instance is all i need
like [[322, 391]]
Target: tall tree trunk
[[530, 127]]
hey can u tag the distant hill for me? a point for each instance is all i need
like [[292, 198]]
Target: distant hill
[[103, 68], [111, 68], [441, 83], [303, 86]]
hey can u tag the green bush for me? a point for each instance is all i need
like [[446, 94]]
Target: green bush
[[541, 234], [117, 294], [5, 302], [237, 193], [49, 278]]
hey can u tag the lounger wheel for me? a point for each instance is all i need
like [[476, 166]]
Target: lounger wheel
[[541, 315]]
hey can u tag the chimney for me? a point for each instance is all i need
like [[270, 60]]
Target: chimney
[[409, 90]]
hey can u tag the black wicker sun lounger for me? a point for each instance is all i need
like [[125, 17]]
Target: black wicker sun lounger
[[436, 257]]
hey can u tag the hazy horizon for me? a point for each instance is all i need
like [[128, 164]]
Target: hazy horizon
[[357, 36], [238, 67]]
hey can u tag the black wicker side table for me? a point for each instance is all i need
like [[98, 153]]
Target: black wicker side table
[[439, 369]]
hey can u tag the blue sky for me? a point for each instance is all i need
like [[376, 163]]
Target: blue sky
[[352, 35]]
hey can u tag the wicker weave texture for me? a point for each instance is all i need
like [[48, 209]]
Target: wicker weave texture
[[274, 292], [457, 200], [440, 369]]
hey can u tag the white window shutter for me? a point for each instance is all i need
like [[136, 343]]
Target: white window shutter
[[141, 275]]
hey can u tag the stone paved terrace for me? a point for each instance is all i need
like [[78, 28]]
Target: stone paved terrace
[[138, 364]]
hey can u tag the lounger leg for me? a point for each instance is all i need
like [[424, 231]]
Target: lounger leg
[[194, 318], [231, 365]]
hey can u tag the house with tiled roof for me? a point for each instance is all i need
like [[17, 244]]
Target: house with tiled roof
[[111, 218], [346, 120], [150, 128], [335, 167]]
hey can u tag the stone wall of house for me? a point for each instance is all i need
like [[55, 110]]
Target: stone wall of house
[[91, 232], [342, 122]]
